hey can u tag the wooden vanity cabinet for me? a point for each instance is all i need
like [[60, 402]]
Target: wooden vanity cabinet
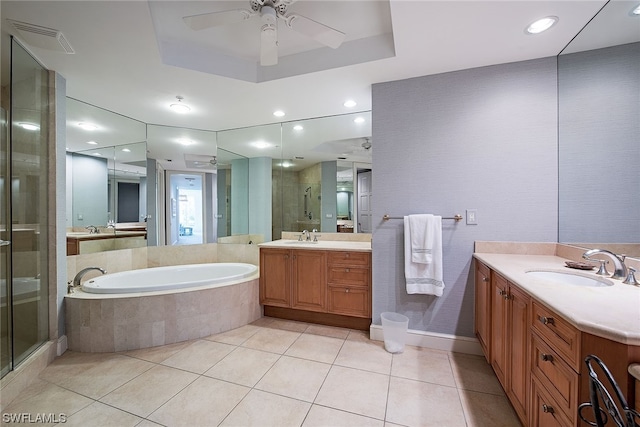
[[510, 341], [275, 277], [333, 285], [538, 356], [309, 289], [349, 278], [482, 326]]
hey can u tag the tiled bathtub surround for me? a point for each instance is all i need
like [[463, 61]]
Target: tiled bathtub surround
[[111, 324]]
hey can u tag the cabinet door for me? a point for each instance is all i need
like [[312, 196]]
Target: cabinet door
[[517, 345], [499, 292], [348, 301], [275, 277], [309, 280], [483, 308]]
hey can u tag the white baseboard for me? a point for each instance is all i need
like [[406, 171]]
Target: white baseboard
[[434, 340], [62, 345]]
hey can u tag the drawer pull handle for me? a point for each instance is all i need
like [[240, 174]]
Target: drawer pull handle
[[502, 293], [286, 257], [546, 357], [485, 279], [546, 320], [548, 409], [346, 290], [346, 270]]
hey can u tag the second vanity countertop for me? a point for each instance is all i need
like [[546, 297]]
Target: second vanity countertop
[[611, 312], [326, 245]]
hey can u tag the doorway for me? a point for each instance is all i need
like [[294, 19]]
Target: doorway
[[185, 208]]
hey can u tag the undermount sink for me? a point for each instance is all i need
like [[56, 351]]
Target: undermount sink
[[568, 278]]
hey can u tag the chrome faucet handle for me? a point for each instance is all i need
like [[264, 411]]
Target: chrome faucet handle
[[602, 270], [631, 278], [315, 237], [299, 237]]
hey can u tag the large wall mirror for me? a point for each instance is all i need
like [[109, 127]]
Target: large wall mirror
[[133, 184], [106, 180], [599, 133]]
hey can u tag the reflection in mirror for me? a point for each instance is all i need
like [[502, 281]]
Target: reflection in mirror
[[181, 163], [251, 152], [599, 154], [225, 161], [315, 154], [106, 180]]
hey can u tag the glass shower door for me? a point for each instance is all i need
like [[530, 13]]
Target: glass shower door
[[29, 188], [5, 251]]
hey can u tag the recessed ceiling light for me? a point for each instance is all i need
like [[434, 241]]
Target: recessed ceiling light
[[126, 150], [97, 154], [87, 126], [358, 120], [278, 113], [92, 143], [286, 164], [28, 126], [350, 103], [541, 25], [186, 141], [261, 144], [179, 107], [298, 127], [636, 11]]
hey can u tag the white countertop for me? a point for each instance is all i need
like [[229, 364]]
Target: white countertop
[[325, 245], [611, 312]]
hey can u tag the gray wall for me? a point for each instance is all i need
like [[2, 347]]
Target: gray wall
[[484, 139], [599, 155]]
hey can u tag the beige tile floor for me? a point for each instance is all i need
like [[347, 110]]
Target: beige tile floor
[[271, 373]]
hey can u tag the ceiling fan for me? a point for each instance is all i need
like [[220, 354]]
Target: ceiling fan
[[269, 11]]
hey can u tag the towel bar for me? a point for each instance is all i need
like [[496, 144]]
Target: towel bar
[[387, 217]]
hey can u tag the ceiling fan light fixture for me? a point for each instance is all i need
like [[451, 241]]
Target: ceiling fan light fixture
[[635, 11], [541, 25], [179, 107]]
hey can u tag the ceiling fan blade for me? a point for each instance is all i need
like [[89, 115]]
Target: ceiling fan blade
[[216, 19], [326, 35], [269, 46]]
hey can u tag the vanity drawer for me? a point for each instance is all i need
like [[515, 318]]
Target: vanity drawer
[[351, 258], [543, 411], [346, 275], [349, 301], [556, 376], [559, 333]]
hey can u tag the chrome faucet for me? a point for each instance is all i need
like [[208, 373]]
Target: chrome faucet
[[618, 262], [78, 278], [92, 229], [307, 235]]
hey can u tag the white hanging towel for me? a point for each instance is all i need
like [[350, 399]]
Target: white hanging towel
[[423, 254]]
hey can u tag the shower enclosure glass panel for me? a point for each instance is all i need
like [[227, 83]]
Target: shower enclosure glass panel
[[5, 249], [29, 203]]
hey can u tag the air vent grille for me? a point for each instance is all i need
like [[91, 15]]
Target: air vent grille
[[42, 37]]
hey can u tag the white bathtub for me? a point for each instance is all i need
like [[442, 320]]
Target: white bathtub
[[167, 278], [161, 305]]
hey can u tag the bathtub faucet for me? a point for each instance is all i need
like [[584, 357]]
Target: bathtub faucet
[[76, 280]]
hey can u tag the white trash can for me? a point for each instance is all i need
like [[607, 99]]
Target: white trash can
[[394, 331]]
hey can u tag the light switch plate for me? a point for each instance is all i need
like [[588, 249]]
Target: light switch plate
[[472, 217]]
